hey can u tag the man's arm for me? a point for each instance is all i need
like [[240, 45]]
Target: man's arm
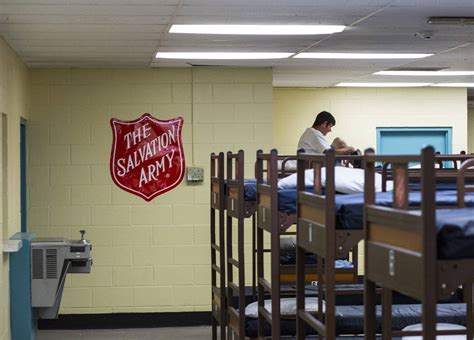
[[344, 151]]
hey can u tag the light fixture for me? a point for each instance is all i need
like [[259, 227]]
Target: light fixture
[[362, 55], [425, 73], [258, 29], [454, 85], [383, 84], [222, 55], [459, 21]]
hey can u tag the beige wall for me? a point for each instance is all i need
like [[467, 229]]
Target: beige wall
[[359, 111], [147, 256], [470, 130], [13, 104]]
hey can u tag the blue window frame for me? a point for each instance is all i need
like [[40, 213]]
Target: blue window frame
[[410, 140]]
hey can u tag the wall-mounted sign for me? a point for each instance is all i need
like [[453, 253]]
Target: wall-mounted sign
[[147, 157]]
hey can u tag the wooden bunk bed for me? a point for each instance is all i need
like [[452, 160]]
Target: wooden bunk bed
[[271, 220], [329, 225], [241, 204], [317, 233], [403, 249], [217, 213]]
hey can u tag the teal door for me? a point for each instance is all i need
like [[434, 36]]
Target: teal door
[[412, 140]]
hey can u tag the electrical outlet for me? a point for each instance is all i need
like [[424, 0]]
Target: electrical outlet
[[194, 174]]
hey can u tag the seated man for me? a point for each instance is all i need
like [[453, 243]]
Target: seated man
[[313, 139]]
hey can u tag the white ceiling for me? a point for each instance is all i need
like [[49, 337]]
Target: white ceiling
[[127, 33]]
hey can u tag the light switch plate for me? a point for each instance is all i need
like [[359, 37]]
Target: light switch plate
[[194, 174]]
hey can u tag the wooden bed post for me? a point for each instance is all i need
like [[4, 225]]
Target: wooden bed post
[[300, 260], [468, 294], [260, 245], [468, 287], [369, 286], [428, 208], [229, 266], [272, 179], [218, 203], [330, 260], [213, 252], [240, 245]]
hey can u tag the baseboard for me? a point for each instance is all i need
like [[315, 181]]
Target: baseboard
[[127, 320]]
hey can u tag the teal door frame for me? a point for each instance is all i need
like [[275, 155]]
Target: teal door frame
[[446, 130], [23, 190]]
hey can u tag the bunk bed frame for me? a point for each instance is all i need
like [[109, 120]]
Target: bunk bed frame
[[275, 223], [238, 208], [268, 220], [442, 173], [217, 213], [317, 234], [401, 248]]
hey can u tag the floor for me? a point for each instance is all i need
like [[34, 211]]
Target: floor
[[184, 333]]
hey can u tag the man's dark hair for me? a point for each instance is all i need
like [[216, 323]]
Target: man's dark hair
[[324, 117]]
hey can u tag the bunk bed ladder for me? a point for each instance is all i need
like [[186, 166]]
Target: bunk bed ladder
[[218, 296], [268, 220], [235, 180]]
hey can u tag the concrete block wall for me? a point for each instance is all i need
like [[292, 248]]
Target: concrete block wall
[[148, 257], [13, 105], [358, 111]]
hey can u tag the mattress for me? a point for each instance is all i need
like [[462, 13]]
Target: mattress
[[349, 208], [455, 233], [416, 186], [350, 319], [286, 197], [290, 259]]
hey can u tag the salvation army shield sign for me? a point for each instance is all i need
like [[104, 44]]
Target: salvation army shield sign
[[147, 157]]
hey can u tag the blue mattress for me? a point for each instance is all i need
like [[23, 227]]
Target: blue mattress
[[287, 258], [349, 208], [440, 185], [286, 197], [455, 233], [250, 189], [455, 240], [350, 319]]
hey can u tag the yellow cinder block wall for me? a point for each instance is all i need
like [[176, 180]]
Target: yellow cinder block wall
[[147, 256], [359, 111], [13, 104]]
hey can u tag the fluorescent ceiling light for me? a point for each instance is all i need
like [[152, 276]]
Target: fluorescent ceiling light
[[454, 85], [425, 73], [459, 21], [383, 84], [258, 29], [222, 55], [362, 55]]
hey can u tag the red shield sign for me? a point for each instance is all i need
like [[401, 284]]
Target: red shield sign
[[147, 157]]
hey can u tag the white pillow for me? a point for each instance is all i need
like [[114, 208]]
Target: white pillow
[[290, 165], [347, 180], [287, 307], [439, 327], [289, 182], [351, 180]]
